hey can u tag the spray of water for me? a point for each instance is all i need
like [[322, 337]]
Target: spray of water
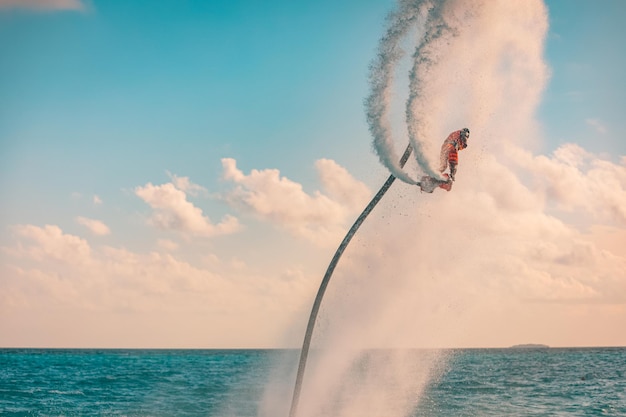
[[475, 63], [435, 31]]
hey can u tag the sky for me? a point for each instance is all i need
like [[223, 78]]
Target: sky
[[178, 174]]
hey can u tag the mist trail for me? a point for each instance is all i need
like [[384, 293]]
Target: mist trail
[[429, 16], [424, 56]]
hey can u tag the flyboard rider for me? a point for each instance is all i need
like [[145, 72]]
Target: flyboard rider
[[449, 156]]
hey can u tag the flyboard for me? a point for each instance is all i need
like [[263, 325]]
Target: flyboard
[[426, 184]]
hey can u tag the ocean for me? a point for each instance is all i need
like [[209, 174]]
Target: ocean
[[229, 383]]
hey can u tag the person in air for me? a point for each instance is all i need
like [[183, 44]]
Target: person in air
[[449, 157], [449, 151]]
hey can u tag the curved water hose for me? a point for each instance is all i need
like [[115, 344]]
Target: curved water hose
[[329, 272]]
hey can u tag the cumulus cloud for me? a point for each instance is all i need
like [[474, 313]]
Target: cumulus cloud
[[41, 5], [184, 184], [341, 185], [50, 242], [97, 200], [427, 267], [70, 293], [317, 217], [172, 210], [516, 224], [576, 179], [95, 226]]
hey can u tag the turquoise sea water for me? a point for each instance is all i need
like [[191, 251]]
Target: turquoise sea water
[[477, 382], [534, 382]]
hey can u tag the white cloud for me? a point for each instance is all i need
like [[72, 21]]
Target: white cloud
[[95, 226], [428, 267], [71, 294], [579, 180], [172, 211], [184, 184], [503, 221], [50, 242], [77, 5], [97, 200], [341, 185], [317, 217]]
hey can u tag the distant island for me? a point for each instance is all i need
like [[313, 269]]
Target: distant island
[[530, 346]]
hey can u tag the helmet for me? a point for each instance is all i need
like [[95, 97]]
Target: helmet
[[464, 135]]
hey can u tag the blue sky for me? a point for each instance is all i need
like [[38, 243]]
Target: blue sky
[[115, 117], [585, 59], [119, 93]]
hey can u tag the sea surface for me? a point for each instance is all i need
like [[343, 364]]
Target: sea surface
[[477, 382]]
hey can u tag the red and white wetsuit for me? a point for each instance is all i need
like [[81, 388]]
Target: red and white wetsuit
[[449, 152]]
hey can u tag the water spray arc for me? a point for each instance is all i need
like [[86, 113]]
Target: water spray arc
[[329, 272], [430, 17]]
